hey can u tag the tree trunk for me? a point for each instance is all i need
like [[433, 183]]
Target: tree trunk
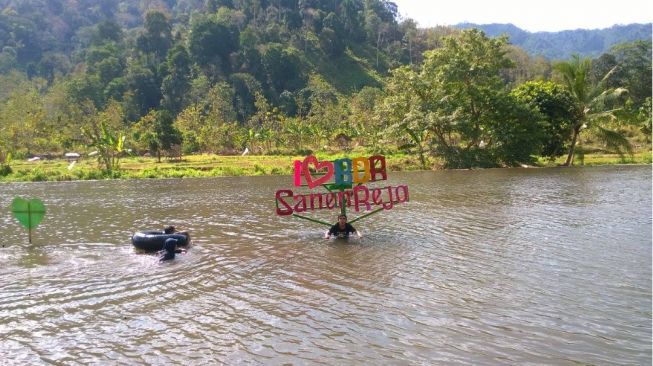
[[441, 139], [422, 157], [570, 155], [420, 149], [378, 41]]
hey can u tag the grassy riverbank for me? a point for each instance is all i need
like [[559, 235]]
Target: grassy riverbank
[[203, 165], [216, 165], [643, 157]]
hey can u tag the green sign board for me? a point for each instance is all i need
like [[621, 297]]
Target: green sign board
[[29, 213]]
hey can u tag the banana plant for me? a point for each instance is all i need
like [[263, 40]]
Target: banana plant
[[110, 146]]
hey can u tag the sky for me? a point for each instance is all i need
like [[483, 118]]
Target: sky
[[533, 16]]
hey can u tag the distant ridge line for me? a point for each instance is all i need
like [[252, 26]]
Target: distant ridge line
[[562, 44]]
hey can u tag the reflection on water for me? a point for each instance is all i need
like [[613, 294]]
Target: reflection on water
[[548, 266]]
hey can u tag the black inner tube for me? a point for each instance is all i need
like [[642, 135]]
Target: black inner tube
[[154, 240]]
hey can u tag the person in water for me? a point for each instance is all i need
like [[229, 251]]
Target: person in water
[[172, 230], [169, 250], [342, 229]]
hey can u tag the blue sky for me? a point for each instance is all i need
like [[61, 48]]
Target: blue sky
[[534, 16]]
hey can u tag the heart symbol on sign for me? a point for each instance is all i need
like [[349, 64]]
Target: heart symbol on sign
[[310, 181], [28, 213]]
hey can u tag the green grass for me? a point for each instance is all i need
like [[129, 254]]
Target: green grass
[[587, 159], [206, 165], [347, 73]]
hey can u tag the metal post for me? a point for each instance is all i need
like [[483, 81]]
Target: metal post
[[367, 214], [312, 219]]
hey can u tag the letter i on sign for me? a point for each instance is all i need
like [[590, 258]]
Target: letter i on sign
[[298, 173]]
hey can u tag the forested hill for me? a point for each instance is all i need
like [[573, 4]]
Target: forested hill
[[561, 45], [350, 43]]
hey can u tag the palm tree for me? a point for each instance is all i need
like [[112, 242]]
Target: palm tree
[[592, 102]]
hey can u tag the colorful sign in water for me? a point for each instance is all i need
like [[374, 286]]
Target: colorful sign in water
[[345, 171], [345, 180]]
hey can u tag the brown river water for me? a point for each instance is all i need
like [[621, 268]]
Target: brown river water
[[500, 266]]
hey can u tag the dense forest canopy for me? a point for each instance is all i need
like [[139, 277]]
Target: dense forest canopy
[[282, 76]]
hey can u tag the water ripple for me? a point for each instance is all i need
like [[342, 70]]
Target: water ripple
[[547, 266]]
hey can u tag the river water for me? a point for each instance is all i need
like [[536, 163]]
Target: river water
[[505, 266]]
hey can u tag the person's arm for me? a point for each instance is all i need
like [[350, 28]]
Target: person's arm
[[331, 231], [358, 233]]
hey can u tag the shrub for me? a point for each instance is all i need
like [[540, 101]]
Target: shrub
[[259, 170], [5, 170]]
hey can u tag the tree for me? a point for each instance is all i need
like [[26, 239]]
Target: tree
[[515, 131], [331, 43], [213, 5], [211, 43], [52, 65], [189, 122], [456, 104], [22, 129], [264, 125], [83, 87], [157, 131], [644, 117], [287, 103], [633, 71], [590, 103], [283, 68], [220, 104], [176, 84], [157, 38], [317, 94], [332, 36], [7, 59], [145, 85], [362, 109], [107, 30], [380, 23], [351, 14], [526, 68], [409, 29], [166, 134], [249, 56], [374, 30], [558, 113], [219, 129], [106, 61], [245, 88], [406, 112]]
